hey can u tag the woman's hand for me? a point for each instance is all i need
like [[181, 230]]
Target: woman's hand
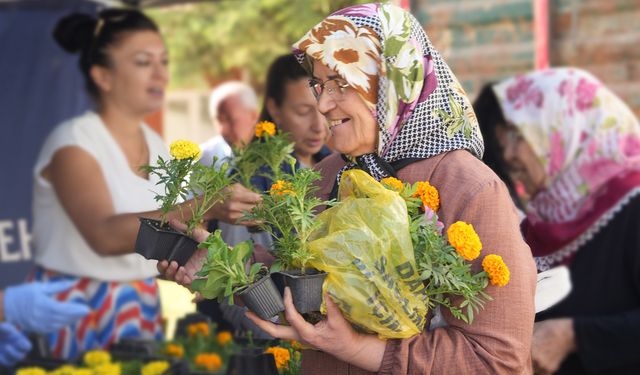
[[333, 335], [186, 274], [239, 200], [553, 341]]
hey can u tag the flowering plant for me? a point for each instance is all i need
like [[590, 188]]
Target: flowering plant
[[183, 176], [288, 213], [443, 263], [271, 148], [223, 272]]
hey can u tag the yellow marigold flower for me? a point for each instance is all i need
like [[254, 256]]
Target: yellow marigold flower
[[210, 361], [94, 358], [281, 187], [428, 195], [154, 368], [265, 127], [82, 371], [282, 356], [107, 369], [465, 240], [224, 338], [497, 270], [174, 350], [182, 149], [393, 184], [31, 371]]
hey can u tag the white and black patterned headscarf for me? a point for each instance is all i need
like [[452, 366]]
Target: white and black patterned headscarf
[[385, 55]]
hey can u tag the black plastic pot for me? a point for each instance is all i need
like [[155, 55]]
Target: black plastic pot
[[263, 298], [161, 242], [252, 362], [306, 289]]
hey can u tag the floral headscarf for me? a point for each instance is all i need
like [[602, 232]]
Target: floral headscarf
[[385, 55], [585, 137]]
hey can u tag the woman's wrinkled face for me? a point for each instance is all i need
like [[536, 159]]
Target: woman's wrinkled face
[[298, 115], [138, 73], [524, 165], [353, 129]]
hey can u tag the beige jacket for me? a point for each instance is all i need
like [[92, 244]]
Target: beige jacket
[[499, 340]]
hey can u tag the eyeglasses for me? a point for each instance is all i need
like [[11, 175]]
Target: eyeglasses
[[334, 86]]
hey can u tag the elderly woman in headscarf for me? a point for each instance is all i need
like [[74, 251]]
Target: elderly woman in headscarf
[[575, 148], [394, 108]]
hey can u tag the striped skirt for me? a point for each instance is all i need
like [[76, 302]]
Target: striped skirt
[[120, 310]]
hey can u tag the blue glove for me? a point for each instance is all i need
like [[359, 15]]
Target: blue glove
[[31, 307], [13, 345]]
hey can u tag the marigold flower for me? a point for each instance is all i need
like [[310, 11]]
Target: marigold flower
[[497, 270], [82, 371], [64, 370], [182, 149], [393, 184], [224, 338], [265, 127], [94, 358], [107, 369], [428, 195], [31, 371], [281, 187], [210, 361], [174, 350], [281, 355], [198, 329], [465, 240], [296, 345], [154, 368]]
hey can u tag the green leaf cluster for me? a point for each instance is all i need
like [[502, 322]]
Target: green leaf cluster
[[290, 218], [183, 178], [269, 150], [223, 272]]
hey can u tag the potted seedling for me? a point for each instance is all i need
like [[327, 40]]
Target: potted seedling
[[224, 275], [182, 177], [288, 213]]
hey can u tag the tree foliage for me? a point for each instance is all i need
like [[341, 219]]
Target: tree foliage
[[212, 41]]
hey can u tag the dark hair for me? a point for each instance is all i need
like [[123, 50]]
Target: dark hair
[[92, 36], [490, 116], [283, 70]]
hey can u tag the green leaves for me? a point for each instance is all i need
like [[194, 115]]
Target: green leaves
[[224, 270], [288, 214]]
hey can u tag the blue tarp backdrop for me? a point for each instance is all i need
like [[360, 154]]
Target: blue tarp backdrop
[[40, 86]]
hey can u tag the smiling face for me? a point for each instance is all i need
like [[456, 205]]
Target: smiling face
[[298, 115], [354, 130], [137, 75], [521, 160]]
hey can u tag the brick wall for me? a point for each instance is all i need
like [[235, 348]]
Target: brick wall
[[489, 40]]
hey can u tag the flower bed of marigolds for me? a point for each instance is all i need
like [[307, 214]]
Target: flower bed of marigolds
[[200, 351]]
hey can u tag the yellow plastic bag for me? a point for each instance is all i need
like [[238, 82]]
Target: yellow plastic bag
[[365, 245]]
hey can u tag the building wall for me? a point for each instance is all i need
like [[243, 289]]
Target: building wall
[[488, 40]]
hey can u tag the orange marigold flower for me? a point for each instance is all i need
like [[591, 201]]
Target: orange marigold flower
[[497, 270], [296, 345], [174, 350], [281, 187], [282, 356], [428, 195], [392, 183], [198, 329], [224, 338], [465, 240], [210, 361], [265, 127]]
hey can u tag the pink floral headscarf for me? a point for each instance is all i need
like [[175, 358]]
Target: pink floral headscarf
[[585, 137], [384, 54]]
